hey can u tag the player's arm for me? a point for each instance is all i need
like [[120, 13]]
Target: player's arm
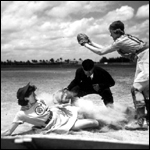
[[75, 81], [96, 45], [10, 130], [99, 49], [62, 105]]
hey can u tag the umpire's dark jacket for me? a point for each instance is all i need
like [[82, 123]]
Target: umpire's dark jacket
[[100, 76]]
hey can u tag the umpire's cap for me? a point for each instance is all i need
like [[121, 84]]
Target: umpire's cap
[[88, 64]]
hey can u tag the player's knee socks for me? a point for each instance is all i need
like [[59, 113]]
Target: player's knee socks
[[147, 109], [139, 103], [138, 98]]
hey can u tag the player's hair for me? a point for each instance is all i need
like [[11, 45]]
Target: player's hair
[[58, 95], [117, 26], [30, 90], [23, 102]]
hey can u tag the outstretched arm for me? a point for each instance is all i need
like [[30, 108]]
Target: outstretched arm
[[96, 45], [76, 80], [10, 130], [62, 105], [98, 49]]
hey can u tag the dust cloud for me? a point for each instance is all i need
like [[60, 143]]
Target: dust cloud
[[112, 114], [116, 114]]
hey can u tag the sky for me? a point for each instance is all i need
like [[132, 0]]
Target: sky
[[41, 30]]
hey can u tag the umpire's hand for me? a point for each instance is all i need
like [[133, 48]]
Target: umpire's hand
[[96, 87]]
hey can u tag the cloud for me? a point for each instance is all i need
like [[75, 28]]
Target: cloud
[[123, 13], [139, 27], [98, 28], [140, 30], [21, 14], [64, 9], [45, 29], [67, 8], [4, 5], [143, 12]]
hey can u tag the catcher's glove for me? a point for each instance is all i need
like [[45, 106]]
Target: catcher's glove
[[82, 39]]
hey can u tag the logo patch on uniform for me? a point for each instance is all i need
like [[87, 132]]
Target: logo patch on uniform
[[39, 110]]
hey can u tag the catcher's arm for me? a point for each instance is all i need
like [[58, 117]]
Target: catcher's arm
[[99, 50], [96, 45], [82, 39]]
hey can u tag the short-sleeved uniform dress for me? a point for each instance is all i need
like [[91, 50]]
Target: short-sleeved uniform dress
[[128, 44], [58, 120]]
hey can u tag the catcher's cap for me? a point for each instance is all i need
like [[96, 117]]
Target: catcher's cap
[[88, 64], [22, 91], [116, 25]]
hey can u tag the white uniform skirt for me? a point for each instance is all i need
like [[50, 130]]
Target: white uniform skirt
[[62, 121], [141, 80]]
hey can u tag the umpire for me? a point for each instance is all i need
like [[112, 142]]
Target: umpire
[[91, 79]]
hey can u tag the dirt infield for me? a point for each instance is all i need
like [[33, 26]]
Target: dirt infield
[[11, 80], [136, 136]]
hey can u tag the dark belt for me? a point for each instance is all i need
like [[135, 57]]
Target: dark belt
[[49, 118], [142, 49]]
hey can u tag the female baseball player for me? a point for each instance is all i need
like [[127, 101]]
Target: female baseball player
[[58, 119], [135, 49]]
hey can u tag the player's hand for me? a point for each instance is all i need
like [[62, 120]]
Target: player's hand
[[83, 39], [96, 87]]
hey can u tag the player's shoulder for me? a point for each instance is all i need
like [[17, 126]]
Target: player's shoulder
[[80, 69], [121, 39], [20, 113]]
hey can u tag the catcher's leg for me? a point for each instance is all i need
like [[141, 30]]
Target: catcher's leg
[[146, 96], [139, 103], [147, 108]]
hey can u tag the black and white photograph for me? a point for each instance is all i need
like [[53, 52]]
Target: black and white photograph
[[74, 74]]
